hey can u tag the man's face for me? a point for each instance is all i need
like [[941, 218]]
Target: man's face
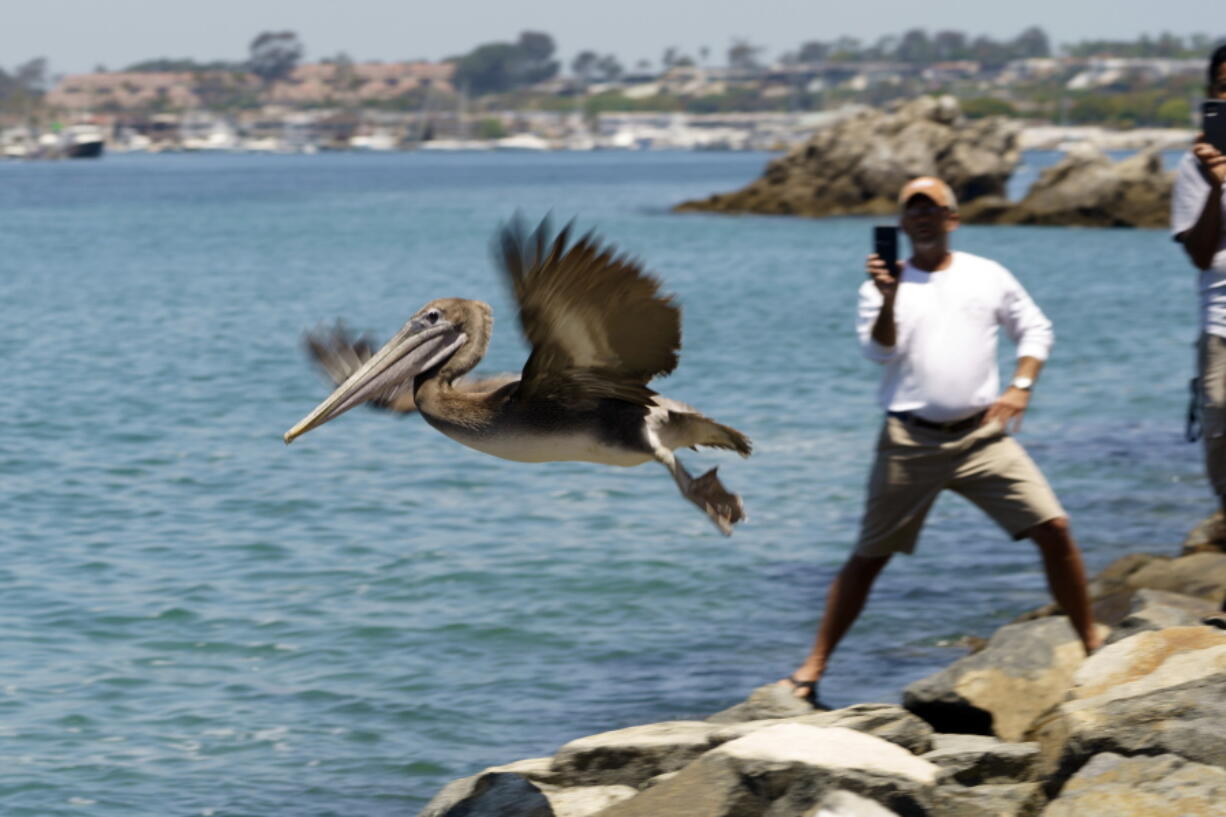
[[926, 223], [1217, 88]]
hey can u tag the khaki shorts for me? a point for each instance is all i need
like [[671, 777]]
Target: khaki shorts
[[915, 464], [1212, 368]]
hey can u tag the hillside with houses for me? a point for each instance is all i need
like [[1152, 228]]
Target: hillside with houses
[[517, 95]]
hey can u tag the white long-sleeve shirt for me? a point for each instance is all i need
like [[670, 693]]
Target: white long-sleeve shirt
[[1187, 201], [943, 365]]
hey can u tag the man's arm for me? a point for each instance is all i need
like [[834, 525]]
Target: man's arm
[[1201, 241], [1013, 402], [1030, 329], [885, 331]]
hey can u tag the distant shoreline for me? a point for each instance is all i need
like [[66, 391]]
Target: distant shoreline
[[1058, 137]]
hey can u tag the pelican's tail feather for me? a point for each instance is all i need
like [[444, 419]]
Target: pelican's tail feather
[[717, 435], [677, 425]]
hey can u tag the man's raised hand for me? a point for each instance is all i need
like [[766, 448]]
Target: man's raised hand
[[886, 283], [1212, 161]]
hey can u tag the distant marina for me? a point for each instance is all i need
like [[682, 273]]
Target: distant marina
[[307, 132]]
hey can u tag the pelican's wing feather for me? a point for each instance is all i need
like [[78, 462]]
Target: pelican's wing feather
[[594, 318]]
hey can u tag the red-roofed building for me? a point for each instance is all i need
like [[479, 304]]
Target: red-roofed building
[[124, 91], [311, 84]]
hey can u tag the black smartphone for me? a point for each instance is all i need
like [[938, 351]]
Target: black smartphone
[[1213, 122], [885, 244]]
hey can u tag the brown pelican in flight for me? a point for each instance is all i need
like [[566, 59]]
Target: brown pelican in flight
[[599, 331]]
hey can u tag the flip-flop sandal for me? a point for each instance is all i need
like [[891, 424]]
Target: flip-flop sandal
[[809, 697]]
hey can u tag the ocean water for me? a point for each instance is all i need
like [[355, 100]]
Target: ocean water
[[199, 620]]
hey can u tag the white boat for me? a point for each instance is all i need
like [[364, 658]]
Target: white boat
[[216, 140], [522, 141], [373, 141], [457, 144]]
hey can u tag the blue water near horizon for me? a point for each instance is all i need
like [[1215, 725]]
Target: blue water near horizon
[[200, 620]]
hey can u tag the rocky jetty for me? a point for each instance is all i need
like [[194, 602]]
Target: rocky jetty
[[857, 166], [1024, 727], [1087, 189]]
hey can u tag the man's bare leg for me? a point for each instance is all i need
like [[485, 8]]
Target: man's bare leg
[[1066, 577], [844, 601]]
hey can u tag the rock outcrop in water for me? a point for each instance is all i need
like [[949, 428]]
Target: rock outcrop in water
[[857, 166], [1087, 189], [1026, 727]]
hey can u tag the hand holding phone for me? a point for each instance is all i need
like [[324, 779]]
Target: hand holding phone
[[885, 244]]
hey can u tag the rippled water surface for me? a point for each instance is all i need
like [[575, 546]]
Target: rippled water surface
[[198, 620]]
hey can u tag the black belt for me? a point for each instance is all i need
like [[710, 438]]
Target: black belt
[[911, 418]]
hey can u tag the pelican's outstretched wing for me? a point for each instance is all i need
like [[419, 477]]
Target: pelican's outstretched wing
[[339, 353], [596, 322]]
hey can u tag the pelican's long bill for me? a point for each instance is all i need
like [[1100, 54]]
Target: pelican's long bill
[[416, 348]]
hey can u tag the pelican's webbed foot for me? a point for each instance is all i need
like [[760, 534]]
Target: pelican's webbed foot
[[724, 507]]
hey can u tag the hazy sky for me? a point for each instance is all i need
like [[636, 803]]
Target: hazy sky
[[77, 35]]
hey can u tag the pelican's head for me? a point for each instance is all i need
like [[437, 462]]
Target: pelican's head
[[429, 341]]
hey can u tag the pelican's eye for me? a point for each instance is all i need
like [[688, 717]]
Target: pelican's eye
[[432, 316]]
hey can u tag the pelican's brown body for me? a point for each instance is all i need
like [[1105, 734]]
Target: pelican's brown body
[[599, 332]]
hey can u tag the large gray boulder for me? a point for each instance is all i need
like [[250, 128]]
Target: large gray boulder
[[847, 804], [857, 166], [975, 760], [631, 756], [1024, 670], [521, 789], [1111, 785], [1087, 189], [886, 721], [989, 800], [1199, 574], [768, 701], [1158, 692], [1209, 536], [789, 769], [586, 800], [1156, 609], [489, 794], [1113, 591]]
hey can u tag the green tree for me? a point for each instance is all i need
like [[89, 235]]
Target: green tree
[[1032, 42], [23, 89], [172, 65], [673, 58], [743, 56], [499, 67], [610, 69], [273, 55], [915, 47], [585, 65], [845, 49], [490, 128], [989, 51], [1174, 113], [979, 107], [813, 51], [949, 45], [344, 79]]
